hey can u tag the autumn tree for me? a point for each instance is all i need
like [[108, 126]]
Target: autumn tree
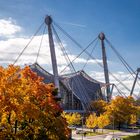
[[133, 119], [121, 109], [72, 118], [102, 121], [91, 121], [28, 107], [99, 106]]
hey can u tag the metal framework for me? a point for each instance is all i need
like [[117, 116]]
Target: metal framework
[[138, 70]]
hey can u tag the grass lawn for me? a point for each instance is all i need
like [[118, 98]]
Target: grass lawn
[[136, 137], [88, 133], [111, 130], [92, 133], [105, 131], [98, 132]]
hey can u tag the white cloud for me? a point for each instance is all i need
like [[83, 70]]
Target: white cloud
[[8, 27], [12, 47], [74, 24], [83, 60], [125, 78]]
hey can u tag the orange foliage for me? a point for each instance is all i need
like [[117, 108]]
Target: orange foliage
[[103, 120], [28, 107], [99, 106]]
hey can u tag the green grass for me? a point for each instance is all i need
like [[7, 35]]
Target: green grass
[[135, 137], [89, 133], [105, 131], [111, 130]]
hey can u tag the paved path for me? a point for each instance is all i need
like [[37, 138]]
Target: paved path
[[109, 137], [102, 137]]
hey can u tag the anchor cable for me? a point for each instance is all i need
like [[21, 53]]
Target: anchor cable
[[60, 28], [28, 44], [90, 54], [84, 96], [40, 44]]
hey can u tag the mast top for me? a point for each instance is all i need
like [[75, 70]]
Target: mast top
[[101, 36], [48, 20]]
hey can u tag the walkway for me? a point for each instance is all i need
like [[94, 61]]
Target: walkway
[[102, 137]]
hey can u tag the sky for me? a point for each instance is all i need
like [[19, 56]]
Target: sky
[[83, 20]]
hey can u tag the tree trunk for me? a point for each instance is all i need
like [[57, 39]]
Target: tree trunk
[[16, 122], [9, 117], [94, 130], [119, 126]]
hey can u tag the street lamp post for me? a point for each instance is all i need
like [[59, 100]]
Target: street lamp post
[[82, 128], [113, 124]]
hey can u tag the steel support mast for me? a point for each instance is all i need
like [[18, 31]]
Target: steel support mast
[[102, 37], [138, 70], [48, 21]]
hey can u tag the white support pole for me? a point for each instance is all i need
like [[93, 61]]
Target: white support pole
[[102, 37], [48, 21]]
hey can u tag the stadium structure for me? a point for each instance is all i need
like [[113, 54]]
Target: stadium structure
[[77, 89]]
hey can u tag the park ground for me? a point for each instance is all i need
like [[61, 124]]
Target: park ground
[[106, 135]]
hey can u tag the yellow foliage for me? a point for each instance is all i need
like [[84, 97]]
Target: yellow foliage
[[121, 109], [3, 119], [99, 106], [133, 119], [91, 121], [72, 118], [102, 121]]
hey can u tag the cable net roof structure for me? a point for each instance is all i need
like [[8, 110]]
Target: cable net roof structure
[[79, 86], [77, 80], [77, 89]]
